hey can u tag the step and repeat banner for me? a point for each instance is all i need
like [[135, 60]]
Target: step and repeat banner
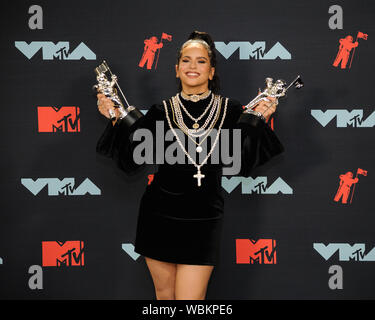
[[300, 227]]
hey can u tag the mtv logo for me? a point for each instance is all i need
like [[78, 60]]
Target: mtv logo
[[52, 51], [346, 251], [59, 119], [258, 185], [57, 187], [256, 50], [344, 118], [62, 253], [261, 251]]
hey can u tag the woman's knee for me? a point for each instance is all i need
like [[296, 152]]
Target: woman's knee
[[165, 283], [195, 294], [165, 294]]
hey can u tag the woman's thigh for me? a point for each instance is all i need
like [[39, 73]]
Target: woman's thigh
[[163, 274], [192, 281]]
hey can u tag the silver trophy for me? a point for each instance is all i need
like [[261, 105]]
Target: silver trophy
[[274, 90], [110, 89]]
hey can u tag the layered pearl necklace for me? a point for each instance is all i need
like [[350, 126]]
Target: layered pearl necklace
[[198, 175]]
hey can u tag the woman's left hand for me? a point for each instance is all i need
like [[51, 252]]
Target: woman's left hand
[[267, 108]]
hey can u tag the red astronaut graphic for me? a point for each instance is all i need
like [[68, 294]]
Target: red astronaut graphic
[[346, 45], [150, 178], [150, 48], [346, 181]]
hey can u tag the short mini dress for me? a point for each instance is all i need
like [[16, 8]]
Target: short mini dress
[[179, 221]]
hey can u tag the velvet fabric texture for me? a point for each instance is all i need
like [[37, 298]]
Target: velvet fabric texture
[[179, 221]]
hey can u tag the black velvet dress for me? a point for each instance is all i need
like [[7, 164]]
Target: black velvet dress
[[179, 221]]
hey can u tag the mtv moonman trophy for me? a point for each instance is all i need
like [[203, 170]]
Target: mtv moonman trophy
[[273, 90], [103, 73]]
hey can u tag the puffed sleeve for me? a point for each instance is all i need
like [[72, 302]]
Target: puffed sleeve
[[259, 141], [116, 142]]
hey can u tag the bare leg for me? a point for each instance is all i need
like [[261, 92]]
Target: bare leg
[[163, 275], [192, 281]]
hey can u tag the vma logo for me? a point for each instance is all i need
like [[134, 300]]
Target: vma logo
[[57, 187], [344, 118], [346, 182], [346, 47], [346, 252], [51, 51], [62, 253], [59, 119], [256, 51], [257, 185], [151, 47], [129, 249], [261, 251], [150, 178]]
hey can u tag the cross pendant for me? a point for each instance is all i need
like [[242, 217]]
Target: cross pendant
[[199, 176]]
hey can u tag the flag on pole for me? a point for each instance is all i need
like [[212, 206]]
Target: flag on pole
[[169, 37], [165, 36], [361, 171], [362, 35]]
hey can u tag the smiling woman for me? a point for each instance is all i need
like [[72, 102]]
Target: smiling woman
[[196, 62], [181, 211], [194, 68]]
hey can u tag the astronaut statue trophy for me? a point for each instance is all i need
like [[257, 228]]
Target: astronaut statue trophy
[[273, 90], [110, 88]]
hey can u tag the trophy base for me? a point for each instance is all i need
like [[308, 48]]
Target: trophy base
[[132, 117]]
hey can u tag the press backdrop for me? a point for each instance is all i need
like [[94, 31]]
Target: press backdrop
[[68, 216]]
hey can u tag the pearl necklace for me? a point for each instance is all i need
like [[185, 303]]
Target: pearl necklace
[[198, 175]]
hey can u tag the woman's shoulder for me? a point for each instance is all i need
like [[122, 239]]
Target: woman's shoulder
[[156, 108], [231, 101], [234, 104], [159, 106]]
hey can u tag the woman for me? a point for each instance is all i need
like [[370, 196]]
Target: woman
[[180, 214]]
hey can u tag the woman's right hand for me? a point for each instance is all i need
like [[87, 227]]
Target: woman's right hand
[[105, 104]]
